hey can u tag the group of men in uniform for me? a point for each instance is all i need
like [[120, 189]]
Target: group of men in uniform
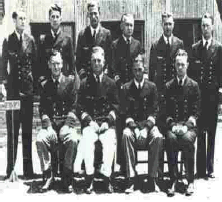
[[117, 103]]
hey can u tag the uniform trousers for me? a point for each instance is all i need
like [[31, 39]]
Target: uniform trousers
[[47, 147], [185, 143], [151, 141], [86, 149], [24, 117]]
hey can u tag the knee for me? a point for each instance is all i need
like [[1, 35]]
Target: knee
[[127, 133], [41, 136]]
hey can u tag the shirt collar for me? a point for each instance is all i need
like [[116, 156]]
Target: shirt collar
[[130, 38], [137, 83], [100, 76], [209, 41], [183, 79], [59, 79], [18, 35], [92, 29], [165, 39], [53, 33]]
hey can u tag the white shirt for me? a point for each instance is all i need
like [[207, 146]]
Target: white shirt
[[100, 77], [130, 38], [137, 83], [53, 33], [165, 39], [209, 42], [59, 79], [18, 35], [92, 29], [183, 79]]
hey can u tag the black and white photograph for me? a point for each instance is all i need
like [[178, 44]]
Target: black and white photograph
[[111, 98]]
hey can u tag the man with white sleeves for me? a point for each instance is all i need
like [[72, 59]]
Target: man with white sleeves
[[98, 104], [140, 105]]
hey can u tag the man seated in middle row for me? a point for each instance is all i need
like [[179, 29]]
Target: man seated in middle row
[[98, 104], [140, 105]]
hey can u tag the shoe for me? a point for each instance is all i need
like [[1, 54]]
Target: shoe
[[67, 180], [109, 187], [130, 186], [171, 191], [156, 187], [48, 185], [29, 176], [211, 175], [89, 184], [190, 189]]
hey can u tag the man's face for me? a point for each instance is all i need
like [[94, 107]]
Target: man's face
[[168, 25], [138, 70], [127, 26], [93, 14], [20, 21], [97, 63], [55, 19], [207, 27], [181, 65], [55, 64]]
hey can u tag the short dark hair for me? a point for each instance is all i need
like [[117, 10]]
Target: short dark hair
[[15, 13], [181, 52], [208, 15], [126, 15], [167, 15], [55, 7], [93, 4]]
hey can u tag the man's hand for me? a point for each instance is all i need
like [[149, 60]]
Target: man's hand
[[95, 126], [52, 132], [103, 127]]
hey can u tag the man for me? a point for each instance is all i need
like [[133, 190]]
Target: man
[[161, 67], [19, 74], [124, 50], [206, 69], [56, 40], [140, 106], [92, 35], [57, 111], [182, 111], [97, 110]]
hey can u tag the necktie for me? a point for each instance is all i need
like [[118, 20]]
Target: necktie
[[56, 84], [128, 50], [98, 85], [55, 36], [20, 42], [94, 36], [139, 86], [168, 52], [204, 51], [180, 82]]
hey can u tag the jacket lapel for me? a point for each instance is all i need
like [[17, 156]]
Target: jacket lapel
[[211, 49], [58, 39], [99, 35]]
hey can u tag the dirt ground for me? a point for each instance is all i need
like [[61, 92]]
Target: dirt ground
[[205, 190]]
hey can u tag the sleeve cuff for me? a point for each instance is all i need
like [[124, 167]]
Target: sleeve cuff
[[112, 113], [193, 120], [152, 119], [72, 115], [169, 120], [129, 120], [84, 115]]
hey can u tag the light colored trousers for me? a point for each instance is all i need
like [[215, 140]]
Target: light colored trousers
[[151, 141], [47, 144], [86, 150]]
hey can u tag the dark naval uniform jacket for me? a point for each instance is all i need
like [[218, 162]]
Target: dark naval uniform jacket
[[161, 65], [206, 69], [140, 104], [122, 59], [19, 65], [57, 100], [84, 48], [97, 102], [182, 102], [62, 43]]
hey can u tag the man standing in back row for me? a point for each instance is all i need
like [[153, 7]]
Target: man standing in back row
[[93, 35], [162, 52], [56, 40], [206, 69], [19, 74]]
